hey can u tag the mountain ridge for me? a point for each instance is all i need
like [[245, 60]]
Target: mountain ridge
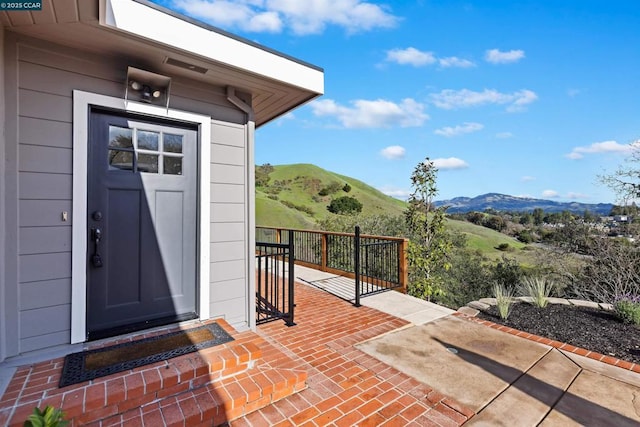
[[507, 203]]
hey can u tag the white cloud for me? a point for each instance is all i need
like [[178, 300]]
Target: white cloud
[[393, 152], [450, 163], [454, 61], [410, 56], [378, 113], [419, 58], [550, 194], [468, 127], [302, 17], [496, 56], [572, 93], [603, 147], [528, 178], [398, 193], [449, 99], [504, 135]]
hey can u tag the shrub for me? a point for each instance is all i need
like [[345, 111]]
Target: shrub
[[503, 247], [538, 289], [504, 299], [323, 192], [49, 417], [345, 205], [627, 307], [525, 236], [346, 188]]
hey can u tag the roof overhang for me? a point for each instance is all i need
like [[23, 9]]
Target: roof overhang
[[170, 43]]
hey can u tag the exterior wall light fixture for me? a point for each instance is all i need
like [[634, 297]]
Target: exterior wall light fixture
[[145, 86]]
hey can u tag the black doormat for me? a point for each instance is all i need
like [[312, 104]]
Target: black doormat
[[91, 364]]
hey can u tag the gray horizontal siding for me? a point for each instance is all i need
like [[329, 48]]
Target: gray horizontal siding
[[227, 174], [48, 133], [45, 267], [232, 289], [228, 251], [45, 186], [57, 292], [40, 158], [43, 213], [47, 340], [228, 270], [42, 240], [227, 154], [228, 193], [229, 212], [58, 318], [228, 135], [227, 231], [47, 75]]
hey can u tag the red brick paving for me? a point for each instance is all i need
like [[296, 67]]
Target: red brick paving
[[252, 380], [346, 387]]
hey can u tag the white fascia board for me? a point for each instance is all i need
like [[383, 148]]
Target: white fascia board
[[147, 22]]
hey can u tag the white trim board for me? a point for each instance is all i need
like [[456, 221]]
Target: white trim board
[[82, 102]]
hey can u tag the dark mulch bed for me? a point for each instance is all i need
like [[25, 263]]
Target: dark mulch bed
[[591, 329]]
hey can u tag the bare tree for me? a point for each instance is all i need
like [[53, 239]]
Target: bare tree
[[625, 181]]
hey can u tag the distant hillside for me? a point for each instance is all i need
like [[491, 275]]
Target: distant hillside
[[294, 197], [505, 203]]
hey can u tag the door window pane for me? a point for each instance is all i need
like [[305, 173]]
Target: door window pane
[[173, 165], [120, 160], [120, 137], [148, 140], [147, 163], [172, 143]]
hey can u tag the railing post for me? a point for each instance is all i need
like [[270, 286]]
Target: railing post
[[356, 262], [324, 248], [290, 277], [403, 265]]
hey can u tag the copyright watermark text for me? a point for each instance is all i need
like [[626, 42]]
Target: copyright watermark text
[[20, 5]]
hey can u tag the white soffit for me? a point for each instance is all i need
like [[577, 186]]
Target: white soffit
[[153, 24]]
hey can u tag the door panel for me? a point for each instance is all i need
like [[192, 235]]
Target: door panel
[[143, 200]]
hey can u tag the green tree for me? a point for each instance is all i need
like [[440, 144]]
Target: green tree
[[495, 222], [430, 244], [345, 205], [538, 216], [526, 219], [475, 217], [262, 174]]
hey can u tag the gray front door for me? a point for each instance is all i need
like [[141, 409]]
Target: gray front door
[[142, 223]]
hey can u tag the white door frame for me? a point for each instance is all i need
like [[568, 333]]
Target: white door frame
[[82, 102]]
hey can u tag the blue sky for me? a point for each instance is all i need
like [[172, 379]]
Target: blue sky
[[528, 98]]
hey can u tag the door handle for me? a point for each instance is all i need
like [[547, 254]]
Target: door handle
[[96, 259]]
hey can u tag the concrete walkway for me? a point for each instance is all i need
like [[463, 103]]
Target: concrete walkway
[[505, 379]]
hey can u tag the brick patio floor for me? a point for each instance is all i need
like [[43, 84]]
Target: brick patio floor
[[306, 375], [345, 387]]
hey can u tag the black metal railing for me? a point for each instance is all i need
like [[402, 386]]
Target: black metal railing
[[380, 263], [274, 281]]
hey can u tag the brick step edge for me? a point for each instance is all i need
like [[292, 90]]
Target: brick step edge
[[120, 392], [211, 404]]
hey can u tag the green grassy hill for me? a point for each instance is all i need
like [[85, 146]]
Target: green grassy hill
[[292, 197], [487, 240]]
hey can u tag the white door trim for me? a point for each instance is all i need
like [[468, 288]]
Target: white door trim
[[82, 102]]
